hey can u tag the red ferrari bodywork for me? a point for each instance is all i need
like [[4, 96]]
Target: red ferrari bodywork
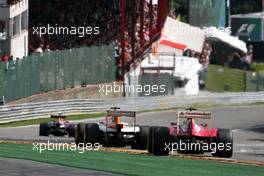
[[192, 129]]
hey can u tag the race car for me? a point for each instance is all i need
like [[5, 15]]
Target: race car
[[187, 136], [57, 126], [114, 132]]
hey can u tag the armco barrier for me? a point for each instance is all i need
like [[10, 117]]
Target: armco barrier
[[44, 109]]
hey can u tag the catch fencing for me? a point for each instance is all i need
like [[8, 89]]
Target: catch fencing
[[56, 70]]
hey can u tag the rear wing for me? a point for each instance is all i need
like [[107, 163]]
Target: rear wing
[[194, 114], [121, 113], [56, 116]]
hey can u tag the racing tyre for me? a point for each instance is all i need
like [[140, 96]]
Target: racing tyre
[[142, 138], [150, 140], [160, 138], [43, 129], [80, 133], [72, 130], [92, 133], [225, 141]]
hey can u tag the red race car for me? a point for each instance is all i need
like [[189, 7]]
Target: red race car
[[191, 134]]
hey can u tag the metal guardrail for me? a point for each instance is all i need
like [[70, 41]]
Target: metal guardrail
[[14, 112]]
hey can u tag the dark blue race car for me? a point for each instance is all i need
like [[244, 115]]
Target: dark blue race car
[[57, 126]]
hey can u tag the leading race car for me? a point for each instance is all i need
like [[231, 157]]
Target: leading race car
[[187, 136], [57, 126], [114, 132]]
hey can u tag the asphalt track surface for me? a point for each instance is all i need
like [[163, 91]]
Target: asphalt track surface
[[14, 167], [247, 124]]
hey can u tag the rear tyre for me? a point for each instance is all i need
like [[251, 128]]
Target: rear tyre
[[72, 130], [150, 139], [224, 142], [141, 142], [160, 138], [92, 133], [43, 129], [80, 133], [143, 137]]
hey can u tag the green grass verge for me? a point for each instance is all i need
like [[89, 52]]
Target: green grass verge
[[43, 120], [218, 77], [128, 164], [257, 67]]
